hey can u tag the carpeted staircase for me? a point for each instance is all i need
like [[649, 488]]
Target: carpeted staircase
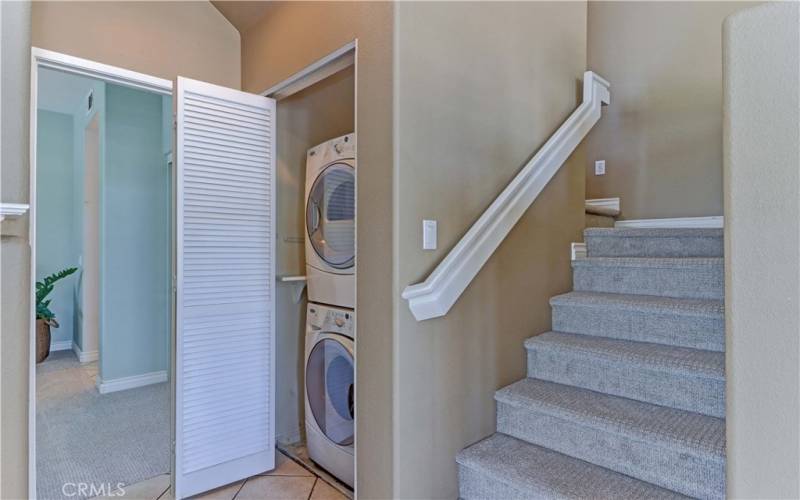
[[625, 398]]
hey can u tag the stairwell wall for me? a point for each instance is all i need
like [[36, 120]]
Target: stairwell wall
[[661, 134], [479, 87], [762, 250]]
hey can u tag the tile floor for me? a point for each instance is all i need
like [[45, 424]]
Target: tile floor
[[289, 481]]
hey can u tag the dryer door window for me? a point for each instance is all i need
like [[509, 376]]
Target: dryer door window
[[330, 388], [330, 215]]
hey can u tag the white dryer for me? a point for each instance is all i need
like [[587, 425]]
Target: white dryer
[[330, 389], [330, 222]]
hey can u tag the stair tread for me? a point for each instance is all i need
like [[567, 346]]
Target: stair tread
[[695, 362], [642, 303], [692, 433], [649, 262], [637, 232], [539, 472]]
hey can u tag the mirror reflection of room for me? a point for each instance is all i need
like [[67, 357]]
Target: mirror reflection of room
[[103, 291]]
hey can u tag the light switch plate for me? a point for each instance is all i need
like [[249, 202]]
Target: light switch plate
[[429, 234], [600, 167]]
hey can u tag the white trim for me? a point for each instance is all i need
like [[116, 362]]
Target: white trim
[[442, 288], [289, 279], [85, 356], [132, 382], [320, 69], [111, 74], [12, 210], [603, 205], [577, 251], [74, 65], [717, 221], [60, 345]]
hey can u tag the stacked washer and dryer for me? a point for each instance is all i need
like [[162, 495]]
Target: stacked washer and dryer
[[330, 319]]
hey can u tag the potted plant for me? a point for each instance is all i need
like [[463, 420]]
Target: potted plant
[[44, 316]]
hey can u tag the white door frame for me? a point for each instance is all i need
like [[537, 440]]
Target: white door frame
[[341, 58], [317, 71], [41, 58]]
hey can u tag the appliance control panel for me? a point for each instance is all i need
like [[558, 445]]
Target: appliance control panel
[[330, 319]]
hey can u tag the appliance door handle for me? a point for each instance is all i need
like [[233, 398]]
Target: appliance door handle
[[316, 219]]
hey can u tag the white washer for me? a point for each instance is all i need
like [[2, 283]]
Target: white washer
[[330, 222], [330, 389]]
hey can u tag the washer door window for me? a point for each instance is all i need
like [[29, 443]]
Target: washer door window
[[330, 387], [330, 215]]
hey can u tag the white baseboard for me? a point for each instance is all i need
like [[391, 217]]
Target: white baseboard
[[61, 345], [85, 356], [578, 251], [717, 221], [121, 384]]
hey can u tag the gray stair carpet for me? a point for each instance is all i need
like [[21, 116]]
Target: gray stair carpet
[[690, 277], [625, 398], [503, 467], [689, 379], [675, 449], [696, 323], [635, 242]]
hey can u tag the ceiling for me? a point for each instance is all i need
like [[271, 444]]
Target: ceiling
[[242, 15], [62, 92]]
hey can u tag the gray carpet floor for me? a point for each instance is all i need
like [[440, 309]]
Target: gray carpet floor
[[83, 436]]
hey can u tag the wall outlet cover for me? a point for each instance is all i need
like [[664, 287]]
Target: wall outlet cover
[[429, 234], [600, 167]]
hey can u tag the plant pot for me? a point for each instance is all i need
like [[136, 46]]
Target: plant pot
[[42, 340]]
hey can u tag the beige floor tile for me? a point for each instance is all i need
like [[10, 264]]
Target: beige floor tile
[[223, 493], [324, 491], [285, 466], [149, 489], [276, 488]]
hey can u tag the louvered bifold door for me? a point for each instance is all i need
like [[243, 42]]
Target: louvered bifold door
[[224, 371]]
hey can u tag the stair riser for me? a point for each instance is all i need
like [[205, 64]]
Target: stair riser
[[671, 469], [474, 485], [676, 390], [620, 246], [700, 332], [701, 282]]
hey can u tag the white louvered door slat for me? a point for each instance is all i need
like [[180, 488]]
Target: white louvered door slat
[[224, 360]]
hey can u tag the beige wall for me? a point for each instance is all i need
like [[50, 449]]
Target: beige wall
[[479, 88], [321, 112], [14, 251], [661, 136], [289, 37], [762, 251], [164, 39]]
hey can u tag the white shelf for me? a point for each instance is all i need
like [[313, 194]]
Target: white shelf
[[290, 279], [12, 210]]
